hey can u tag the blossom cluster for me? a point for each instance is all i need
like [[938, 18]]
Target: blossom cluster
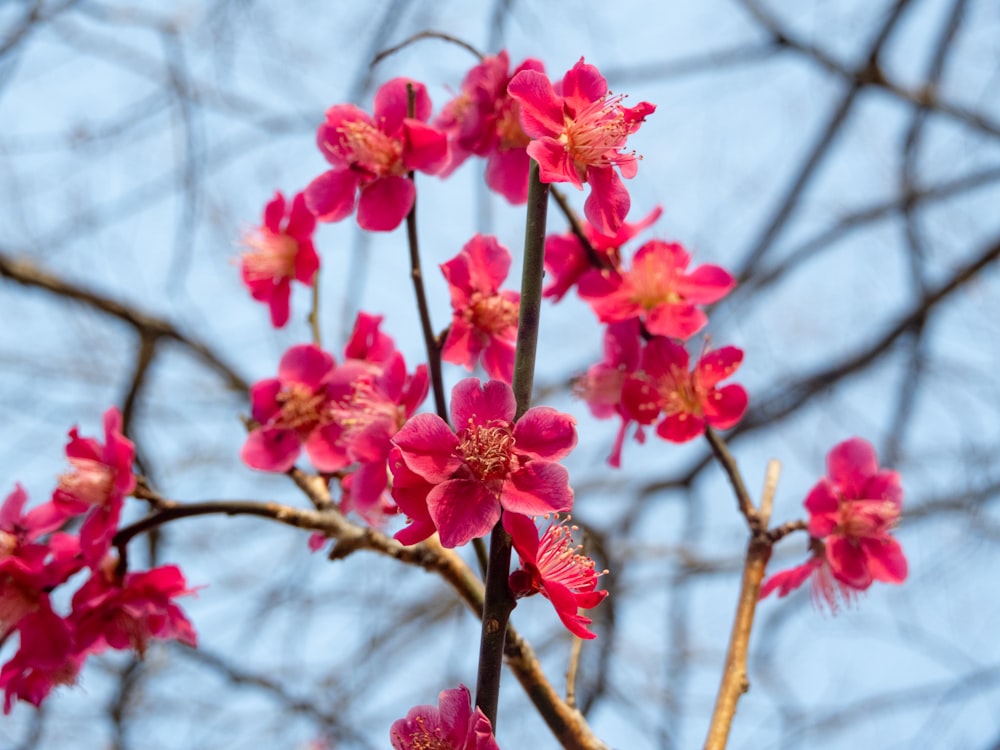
[[484, 465], [112, 609]]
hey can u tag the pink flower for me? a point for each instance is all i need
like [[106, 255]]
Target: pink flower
[[280, 250], [854, 509], [98, 484], [566, 260], [657, 287], [579, 131], [601, 386], [45, 658], [131, 612], [487, 463], [292, 411], [371, 156], [554, 567], [453, 725], [484, 319], [485, 121], [372, 396], [852, 512], [688, 400]]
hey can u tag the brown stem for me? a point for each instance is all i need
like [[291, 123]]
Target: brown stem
[[734, 676], [725, 458], [431, 343]]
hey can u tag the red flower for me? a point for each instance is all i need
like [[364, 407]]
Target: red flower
[[453, 725], [129, 613], [45, 658], [553, 567], [484, 319], [488, 463], [657, 287], [852, 512], [566, 260], [98, 484], [372, 156], [293, 410], [485, 121], [280, 250], [687, 399], [578, 134], [854, 508]]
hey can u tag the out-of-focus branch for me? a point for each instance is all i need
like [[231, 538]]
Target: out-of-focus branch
[[27, 274]]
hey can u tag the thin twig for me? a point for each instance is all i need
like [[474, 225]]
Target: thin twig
[[725, 458], [425, 35]]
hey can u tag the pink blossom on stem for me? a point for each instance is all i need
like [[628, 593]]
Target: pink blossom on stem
[[484, 319], [100, 479], [292, 411], [566, 260], [130, 612], [553, 567], [489, 462], [372, 156], [688, 400], [280, 250], [579, 131], [852, 512], [484, 120], [659, 288], [453, 725], [45, 658]]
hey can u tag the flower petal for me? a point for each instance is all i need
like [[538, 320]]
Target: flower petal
[[544, 432], [538, 488]]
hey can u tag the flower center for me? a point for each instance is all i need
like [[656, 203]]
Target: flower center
[[509, 129], [370, 150], [425, 738], [302, 409], [866, 518], [91, 481], [491, 313], [593, 135], [270, 256], [653, 284], [559, 559], [488, 450], [680, 394], [8, 543]]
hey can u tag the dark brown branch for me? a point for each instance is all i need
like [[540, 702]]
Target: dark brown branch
[[27, 274]]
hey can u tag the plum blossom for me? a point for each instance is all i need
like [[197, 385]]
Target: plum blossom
[[130, 612], [484, 120], [484, 318], [293, 411], [488, 463], [689, 400], [553, 567], [453, 725], [852, 512], [342, 415], [371, 156], [279, 251], [566, 260], [659, 288], [579, 130], [45, 658], [100, 479]]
